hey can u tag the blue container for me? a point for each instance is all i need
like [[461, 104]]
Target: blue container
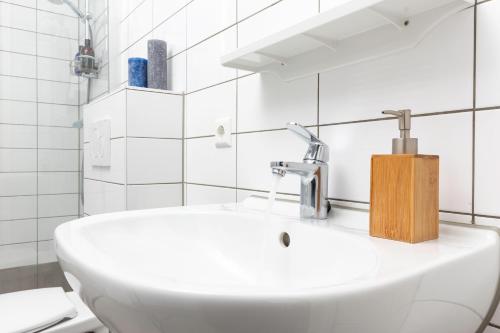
[[138, 72]]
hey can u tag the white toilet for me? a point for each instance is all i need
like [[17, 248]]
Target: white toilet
[[48, 310]]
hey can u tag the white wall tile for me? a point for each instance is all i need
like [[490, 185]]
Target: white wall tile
[[441, 135], [57, 205], [351, 148], [154, 196], [55, 69], [204, 107], [173, 31], [16, 112], [47, 226], [491, 329], [242, 195], [490, 222], [18, 255], [139, 49], [98, 7], [488, 53], [112, 107], [58, 137], [17, 136], [12, 208], [153, 161], [56, 47], [16, 88], [19, 17], [20, 183], [267, 102], [203, 61], [352, 145], [18, 231], [56, 8], [487, 177], [115, 173], [273, 19], [57, 92], [176, 72], [100, 26], [57, 25], [138, 23], [156, 115], [257, 150], [99, 87], [128, 6], [58, 182], [204, 195], [208, 17], [17, 64], [46, 252], [496, 318], [17, 40], [247, 8], [423, 79], [209, 165], [58, 160], [26, 3], [164, 9], [18, 160], [57, 115], [103, 197]]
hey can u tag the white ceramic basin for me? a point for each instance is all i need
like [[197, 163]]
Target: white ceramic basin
[[225, 269]]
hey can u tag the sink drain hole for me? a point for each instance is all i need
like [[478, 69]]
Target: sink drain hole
[[285, 239]]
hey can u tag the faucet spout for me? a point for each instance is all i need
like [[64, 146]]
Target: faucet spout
[[313, 172]]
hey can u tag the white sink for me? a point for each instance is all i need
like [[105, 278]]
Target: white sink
[[225, 269]]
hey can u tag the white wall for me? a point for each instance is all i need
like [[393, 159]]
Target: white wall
[[38, 148], [145, 169], [451, 82]]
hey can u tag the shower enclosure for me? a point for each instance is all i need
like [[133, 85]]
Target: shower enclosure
[[41, 43]]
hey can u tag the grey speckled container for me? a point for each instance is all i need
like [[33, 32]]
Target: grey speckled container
[[157, 64]]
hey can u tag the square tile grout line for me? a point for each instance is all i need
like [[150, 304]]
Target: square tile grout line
[[474, 90], [184, 120], [237, 87], [37, 144]]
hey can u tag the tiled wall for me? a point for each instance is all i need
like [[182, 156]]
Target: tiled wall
[[451, 81], [39, 100], [145, 170]]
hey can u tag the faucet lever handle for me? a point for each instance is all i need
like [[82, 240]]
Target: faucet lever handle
[[317, 150]]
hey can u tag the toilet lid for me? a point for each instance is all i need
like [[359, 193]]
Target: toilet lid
[[33, 310]]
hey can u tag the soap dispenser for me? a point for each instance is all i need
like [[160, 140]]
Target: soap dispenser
[[404, 189]]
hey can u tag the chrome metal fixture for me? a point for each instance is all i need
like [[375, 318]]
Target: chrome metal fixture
[[313, 172], [404, 144], [85, 63]]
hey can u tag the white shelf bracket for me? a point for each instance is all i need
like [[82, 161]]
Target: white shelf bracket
[[398, 22], [332, 45], [274, 58]]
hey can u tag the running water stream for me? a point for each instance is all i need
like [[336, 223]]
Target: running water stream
[[272, 194]]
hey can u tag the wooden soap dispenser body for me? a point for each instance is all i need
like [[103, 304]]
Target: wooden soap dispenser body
[[404, 192]]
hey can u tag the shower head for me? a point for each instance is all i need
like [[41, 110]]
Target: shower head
[[70, 5]]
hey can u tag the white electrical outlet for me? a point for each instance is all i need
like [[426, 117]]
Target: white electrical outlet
[[223, 133], [100, 143]]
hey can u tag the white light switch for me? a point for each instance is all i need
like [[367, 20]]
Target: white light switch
[[100, 143], [223, 133]]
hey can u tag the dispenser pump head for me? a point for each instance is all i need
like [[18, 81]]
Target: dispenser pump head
[[404, 144]]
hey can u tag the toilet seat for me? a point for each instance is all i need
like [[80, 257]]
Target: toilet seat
[[48, 310]]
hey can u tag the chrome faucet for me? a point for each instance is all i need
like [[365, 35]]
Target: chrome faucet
[[313, 172]]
